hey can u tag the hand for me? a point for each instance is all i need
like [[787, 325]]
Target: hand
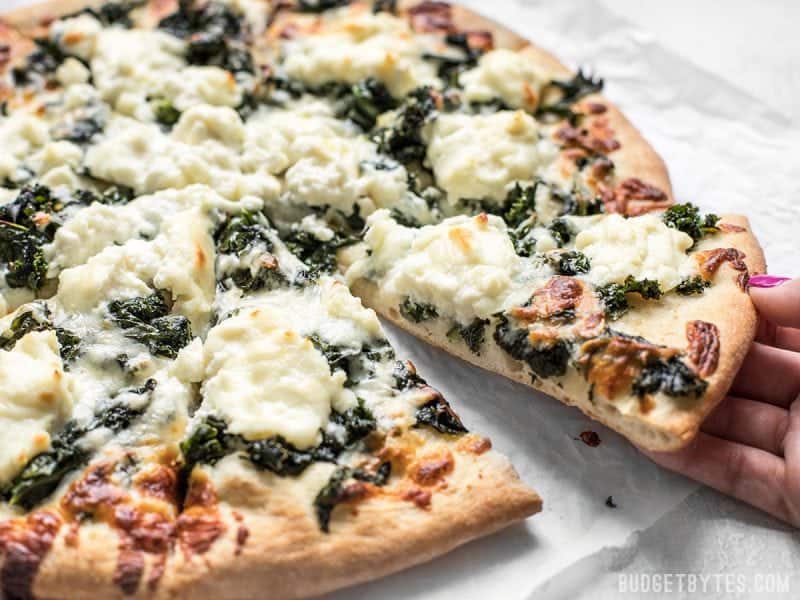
[[749, 447]]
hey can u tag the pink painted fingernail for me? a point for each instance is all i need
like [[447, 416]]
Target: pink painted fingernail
[[767, 281]]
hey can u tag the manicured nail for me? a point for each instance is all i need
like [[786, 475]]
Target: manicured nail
[[767, 281]]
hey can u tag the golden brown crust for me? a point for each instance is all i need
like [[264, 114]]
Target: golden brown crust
[[661, 322]]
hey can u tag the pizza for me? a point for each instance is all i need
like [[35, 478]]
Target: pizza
[[203, 207]]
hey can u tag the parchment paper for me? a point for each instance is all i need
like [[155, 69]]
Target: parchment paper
[[726, 152]]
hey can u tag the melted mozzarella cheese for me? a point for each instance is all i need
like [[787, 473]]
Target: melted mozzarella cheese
[[36, 393], [464, 266], [481, 156], [355, 47], [642, 247], [268, 380], [504, 74]]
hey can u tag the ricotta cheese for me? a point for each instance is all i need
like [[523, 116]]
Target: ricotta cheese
[[481, 156], [32, 404], [268, 380], [464, 266], [510, 76], [358, 46], [642, 247]]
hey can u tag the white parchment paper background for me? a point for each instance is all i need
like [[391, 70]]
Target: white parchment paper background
[[726, 151]]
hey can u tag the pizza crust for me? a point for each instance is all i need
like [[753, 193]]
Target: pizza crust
[[661, 322]]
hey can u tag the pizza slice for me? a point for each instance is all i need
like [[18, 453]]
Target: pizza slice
[[318, 459], [623, 318]]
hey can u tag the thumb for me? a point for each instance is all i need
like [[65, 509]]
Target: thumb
[[777, 299]]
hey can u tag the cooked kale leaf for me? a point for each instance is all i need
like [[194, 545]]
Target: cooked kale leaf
[[520, 204], [147, 320], [561, 231], [687, 218], [615, 301], [363, 102], [545, 361], [318, 256], [405, 376], [37, 318], [403, 141], [112, 13], [389, 6], [44, 472], [208, 443], [692, 286], [473, 334], [449, 65], [438, 414], [568, 93], [165, 112], [340, 489], [42, 62], [570, 262], [417, 311], [318, 6], [671, 377]]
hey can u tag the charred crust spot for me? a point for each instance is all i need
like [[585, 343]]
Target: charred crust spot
[[129, 571], [25, 543], [612, 363], [595, 108], [475, 444], [635, 197], [431, 16], [601, 168], [432, 469], [703, 346], [710, 261], [730, 228], [421, 498], [160, 482], [200, 524]]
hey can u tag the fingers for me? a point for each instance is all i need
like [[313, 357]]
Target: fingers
[[749, 474], [779, 304], [769, 375], [751, 423], [780, 337], [791, 450]]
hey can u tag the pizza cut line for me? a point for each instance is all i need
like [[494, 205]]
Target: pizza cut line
[[197, 197]]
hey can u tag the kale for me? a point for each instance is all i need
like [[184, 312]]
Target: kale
[[241, 232], [473, 334], [578, 203], [208, 443], [524, 245], [671, 377], [279, 456], [687, 218], [405, 376], [45, 471], [42, 62], [337, 490], [358, 422], [27, 209], [403, 141], [389, 6], [213, 32], [112, 13], [338, 357], [38, 319], [568, 92], [318, 256], [405, 220], [318, 6], [438, 414], [417, 311], [570, 262], [545, 361], [692, 286], [520, 204], [165, 112], [147, 320], [614, 295], [363, 102], [561, 231], [23, 324], [450, 66], [117, 194]]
